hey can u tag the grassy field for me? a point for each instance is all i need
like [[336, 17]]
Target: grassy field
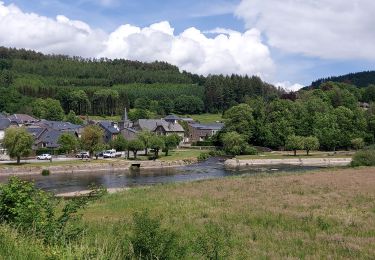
[[205, 118], [318, 215]]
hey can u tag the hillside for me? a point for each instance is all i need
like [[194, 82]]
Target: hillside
[[359, 79], [27, 75]]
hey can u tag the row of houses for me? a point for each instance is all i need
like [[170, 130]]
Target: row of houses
[[46, 133]]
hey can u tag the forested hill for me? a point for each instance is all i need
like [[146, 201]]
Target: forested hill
[[105, 86], [359, 79]]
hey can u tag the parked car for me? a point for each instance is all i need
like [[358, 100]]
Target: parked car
[[83, 155], [109, 154], [44, 156]]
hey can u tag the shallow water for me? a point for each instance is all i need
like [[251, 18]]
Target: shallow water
[[211, 169]]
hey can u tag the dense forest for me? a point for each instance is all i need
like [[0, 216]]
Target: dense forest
[[359, 79], [105, 87]]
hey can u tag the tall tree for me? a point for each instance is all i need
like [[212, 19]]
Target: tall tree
[[18, 142], [92, 138]]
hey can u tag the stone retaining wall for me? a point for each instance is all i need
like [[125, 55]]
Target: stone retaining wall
[[319, 162]]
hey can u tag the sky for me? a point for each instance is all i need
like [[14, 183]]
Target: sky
[[287, 43]]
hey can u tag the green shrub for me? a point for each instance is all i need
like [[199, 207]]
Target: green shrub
[[364, 158], [34, 211], [216, 153], [249, 150], [46, 172], [203, 156], [203, 143], [151, 241]]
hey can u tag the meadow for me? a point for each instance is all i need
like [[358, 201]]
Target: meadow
[[315, 215]]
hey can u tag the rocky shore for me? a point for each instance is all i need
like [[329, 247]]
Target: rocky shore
[[319, 162]]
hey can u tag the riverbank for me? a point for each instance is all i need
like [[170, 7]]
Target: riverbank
[[318, 162], [92, 166], [326, 214]]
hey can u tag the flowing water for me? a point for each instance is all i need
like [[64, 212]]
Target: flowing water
[[212, 168]]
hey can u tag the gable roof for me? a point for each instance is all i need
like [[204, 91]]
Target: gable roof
[[22, 118], [109, 127], [59, 125], [50, 138], [152, 124], [4, 123], [172, 118], [213, 126], [36, 131]]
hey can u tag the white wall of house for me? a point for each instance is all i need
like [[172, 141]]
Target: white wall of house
[[2, 132]]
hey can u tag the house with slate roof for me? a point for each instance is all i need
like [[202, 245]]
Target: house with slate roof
[[22, 119], [200, 132], [111, 130]]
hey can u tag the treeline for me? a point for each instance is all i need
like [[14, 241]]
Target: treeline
[[360, 79], [331, 114], [105, 87]]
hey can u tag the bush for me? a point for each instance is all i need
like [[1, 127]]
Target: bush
[[45, 172], [216, 153], [150, 241], [364, 158], [249, 150], [34, 211], [203, 156], [358, 143]]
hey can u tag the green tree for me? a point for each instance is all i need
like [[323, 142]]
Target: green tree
[[310, 143], [171, 142], [68, 142], [92, 138], [294, 143], [136, 114], [18, 142], [145, 137], [120, 143], [188, 105], [49, 109], [233, 143], [135, 146], [73, 118], [156, 144], [240, 119]]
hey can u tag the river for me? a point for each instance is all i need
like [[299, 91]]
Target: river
[[210, 169]]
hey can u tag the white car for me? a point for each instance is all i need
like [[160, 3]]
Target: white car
[[44, 156], [109, 154]]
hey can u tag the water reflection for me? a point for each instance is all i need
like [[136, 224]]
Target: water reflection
[[213, 168]]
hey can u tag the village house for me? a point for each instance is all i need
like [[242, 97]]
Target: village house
[[111, 130], [200, 132], [22, 119]]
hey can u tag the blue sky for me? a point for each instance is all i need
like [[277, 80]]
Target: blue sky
[[285, 45]]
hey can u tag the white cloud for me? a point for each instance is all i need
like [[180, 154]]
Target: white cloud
[[62, 36], [289, 86], [228, 52], [331, 29]]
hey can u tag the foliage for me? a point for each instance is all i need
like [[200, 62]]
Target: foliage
[[310, 143], [68, 142], [135, 146], [73, 118], [364, 158], [240, 119], [145, 137], [203, 156], [49, 109], [45, 172], [234, 143], [185, 104], [294, 143], [156, 144], [92, 138], [136, 114], [151, 241], [120, 143], [171, 142], [358, 143], [18, 142]]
